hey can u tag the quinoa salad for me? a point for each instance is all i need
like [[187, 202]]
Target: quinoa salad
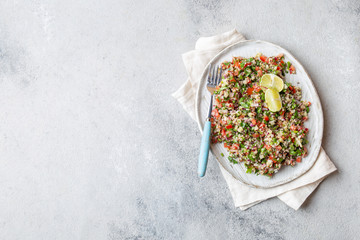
[[241, 120]]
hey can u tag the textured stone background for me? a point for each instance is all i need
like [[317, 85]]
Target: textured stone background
[[92, 145]]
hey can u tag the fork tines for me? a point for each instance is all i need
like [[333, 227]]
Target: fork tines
[[214, 76]]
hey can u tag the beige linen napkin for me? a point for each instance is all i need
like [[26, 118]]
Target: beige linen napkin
[[293, 193]]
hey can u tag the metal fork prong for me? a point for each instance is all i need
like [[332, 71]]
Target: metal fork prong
[[219, 78], [216, 75], [209, 77], [213, 76]]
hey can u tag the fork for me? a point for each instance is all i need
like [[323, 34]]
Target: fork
[[214, 78]]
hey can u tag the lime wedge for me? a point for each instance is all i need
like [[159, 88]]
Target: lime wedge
[[271, 81], [273, 100]]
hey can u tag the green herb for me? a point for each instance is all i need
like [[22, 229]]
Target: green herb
[[222, 88], [247, 72], [258, 110], [288, 65], [298, 152], [232, 160], [292, 147], [245, 105], [262, 96]]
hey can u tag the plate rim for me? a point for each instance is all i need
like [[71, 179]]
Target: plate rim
[[201, 125]]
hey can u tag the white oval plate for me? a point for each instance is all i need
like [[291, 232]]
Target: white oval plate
[[315, 123]]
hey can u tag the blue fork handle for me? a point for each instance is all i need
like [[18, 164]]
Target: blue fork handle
[[204, 149]]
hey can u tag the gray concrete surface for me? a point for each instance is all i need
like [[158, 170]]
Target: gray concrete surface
[[92, 145]]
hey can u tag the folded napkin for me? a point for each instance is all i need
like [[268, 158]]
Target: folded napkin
[[293, 193]]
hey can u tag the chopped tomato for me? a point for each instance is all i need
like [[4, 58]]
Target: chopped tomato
[[262, 125], [278, 147], [216, 113], [236, 72], [305, 151], [225, 145], [231, 105], [267, 147], [257, 68], [306, 130], [280, 55], [237, 64], [298, 159], [270, 174], [305, 118], [253, 121], [235, 146], [292, 69], [260, 73], [271, 157], [257, 88], [217, 88], [229, 126], [212, 124], [309, 104], [247, 64], [223, 132], [223, 122], [278, 68], [233, 80], [292, 89], [266, 118], [255, 135], [249, 90], [293, 127], [263, 58]]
